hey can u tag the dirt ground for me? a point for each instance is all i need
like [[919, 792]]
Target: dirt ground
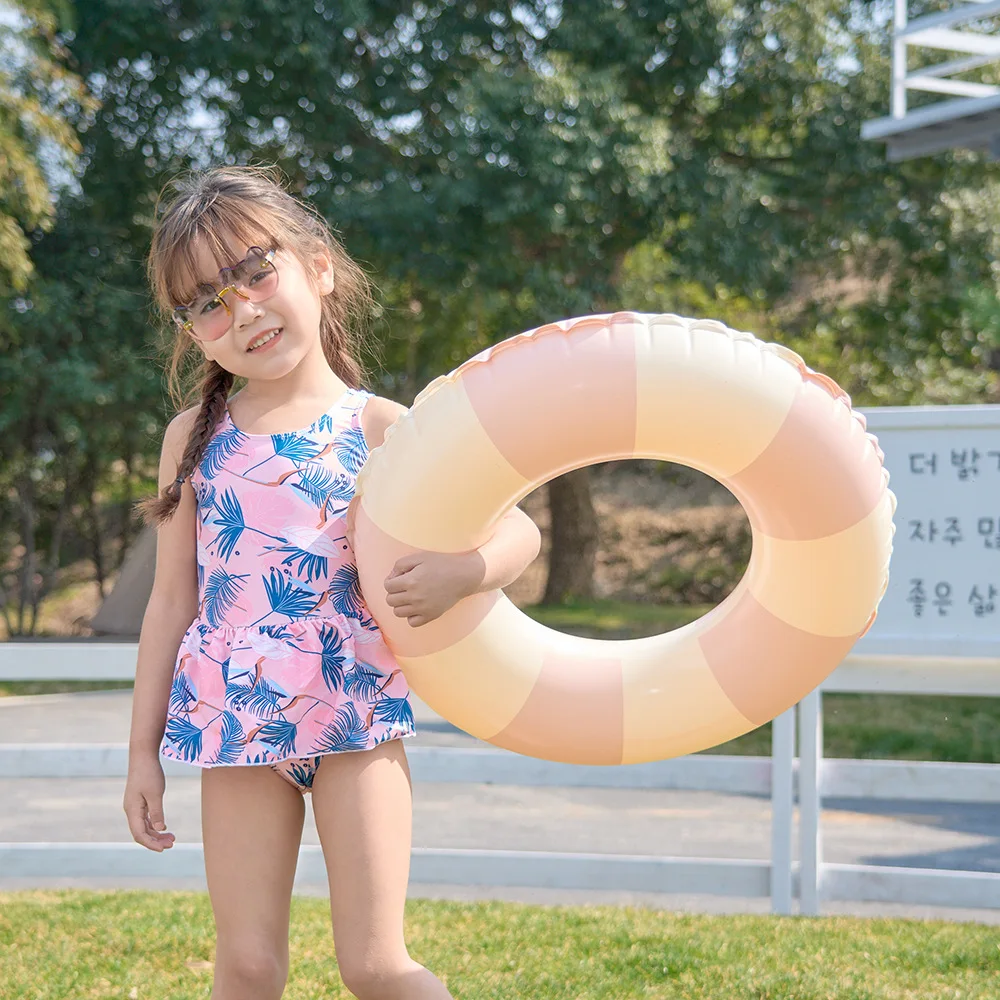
[[667, 534]]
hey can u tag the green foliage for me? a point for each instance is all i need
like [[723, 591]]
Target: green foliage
[[79, 403], [39, 98], [496, 167]]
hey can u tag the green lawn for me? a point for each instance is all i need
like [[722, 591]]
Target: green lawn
[[903, 727], [75, 944], [11, 689]]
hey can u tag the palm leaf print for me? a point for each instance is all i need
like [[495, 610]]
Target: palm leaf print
[[351, 449], [345, 592], [294, 447], [233, 524], [277, 631], [285, 598], [230, 520], [302, 775], [346, 732], [280, 734], [232, 739], [186, 736], [237, 694], [363, 683], [321, 485], [332, 658], [310, 565], [221, 593], [182, 694], [259, 697], [264, 698], [395, 711], [206, 497], [220, 449]]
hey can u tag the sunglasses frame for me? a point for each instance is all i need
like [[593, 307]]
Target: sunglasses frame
[[181, 314]]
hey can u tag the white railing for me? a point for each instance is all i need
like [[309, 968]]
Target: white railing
[[937, 31], [811, 880], [971, 117]]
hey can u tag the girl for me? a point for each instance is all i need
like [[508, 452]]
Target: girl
[[258, 658]]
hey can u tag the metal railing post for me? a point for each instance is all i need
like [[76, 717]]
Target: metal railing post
[[782, 791], [810, 801], [899, 60]]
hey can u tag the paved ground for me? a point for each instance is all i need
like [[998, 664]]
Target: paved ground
[[924, 835]]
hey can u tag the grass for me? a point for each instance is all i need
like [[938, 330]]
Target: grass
[[893, 727], [79, 944], [616, 619], [898, 727], [13, 689]]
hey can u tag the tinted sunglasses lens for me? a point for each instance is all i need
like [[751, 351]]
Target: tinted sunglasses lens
[[210, 318], [256, 277]]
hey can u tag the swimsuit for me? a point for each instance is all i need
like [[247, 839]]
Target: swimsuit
[[283, 663]]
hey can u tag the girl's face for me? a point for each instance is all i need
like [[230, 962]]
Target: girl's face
[[293, 309]]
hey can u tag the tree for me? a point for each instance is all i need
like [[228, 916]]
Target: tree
[[499, 165], [79, 407], [39, 97], [524, 157]]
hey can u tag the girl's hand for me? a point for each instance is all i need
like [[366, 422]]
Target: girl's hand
[[143, 803], [424, 586]]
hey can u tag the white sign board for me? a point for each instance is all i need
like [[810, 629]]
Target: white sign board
[[944, 584]]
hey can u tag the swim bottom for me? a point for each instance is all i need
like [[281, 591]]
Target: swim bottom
[[299, 771]]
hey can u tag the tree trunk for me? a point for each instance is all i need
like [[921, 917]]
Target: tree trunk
[[88, 491], [26, 501], [125, 528], [50, 567], [574, 539]]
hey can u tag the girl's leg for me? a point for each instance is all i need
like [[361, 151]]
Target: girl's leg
[[251, 828], [363, 810]]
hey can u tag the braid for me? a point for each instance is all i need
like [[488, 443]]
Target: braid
[[215, 386]]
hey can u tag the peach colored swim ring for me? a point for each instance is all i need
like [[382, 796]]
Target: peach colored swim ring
[[781, 437]]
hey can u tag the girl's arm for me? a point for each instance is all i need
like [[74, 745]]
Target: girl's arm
[[173, 604], [423, 586], [173, 601]]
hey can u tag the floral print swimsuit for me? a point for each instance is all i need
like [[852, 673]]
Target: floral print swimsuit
[[283, 662]]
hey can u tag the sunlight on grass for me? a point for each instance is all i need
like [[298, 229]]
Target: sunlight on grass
[[140, 944], [596, 617]]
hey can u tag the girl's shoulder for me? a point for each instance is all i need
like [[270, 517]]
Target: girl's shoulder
[[177, 433], [377, 416]]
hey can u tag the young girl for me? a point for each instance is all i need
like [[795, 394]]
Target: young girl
[[258, 658]]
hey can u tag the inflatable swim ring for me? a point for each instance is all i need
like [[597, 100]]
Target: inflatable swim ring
[[782, 438]]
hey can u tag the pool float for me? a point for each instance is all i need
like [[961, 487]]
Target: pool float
[[781, 437]]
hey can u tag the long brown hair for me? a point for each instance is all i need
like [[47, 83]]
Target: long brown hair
[[251, 204]]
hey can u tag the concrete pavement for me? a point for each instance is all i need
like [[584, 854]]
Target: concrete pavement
[[602, 820]]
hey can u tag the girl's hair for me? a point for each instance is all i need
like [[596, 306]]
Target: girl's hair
[[252, 205]]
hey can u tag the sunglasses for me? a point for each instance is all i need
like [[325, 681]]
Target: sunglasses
[[209, 316]]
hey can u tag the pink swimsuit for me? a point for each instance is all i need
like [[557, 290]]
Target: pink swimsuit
[[283, 663]]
